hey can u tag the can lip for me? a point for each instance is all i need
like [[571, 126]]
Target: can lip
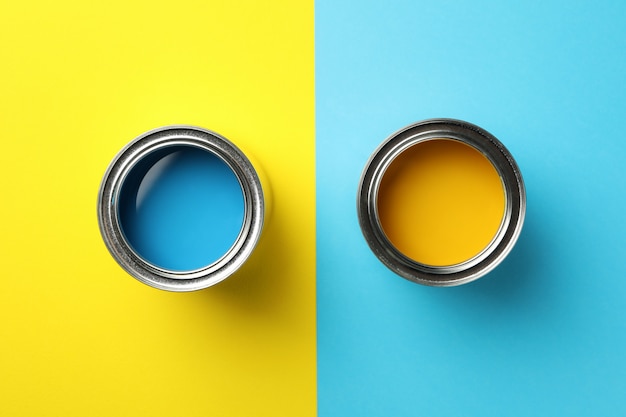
[[493, 253], [146, 144]]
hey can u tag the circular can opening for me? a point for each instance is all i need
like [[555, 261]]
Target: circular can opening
[[441, 202], [181, 208]]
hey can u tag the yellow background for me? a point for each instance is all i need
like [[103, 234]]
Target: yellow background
[[80, 337]]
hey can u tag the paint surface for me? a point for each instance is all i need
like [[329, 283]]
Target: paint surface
[[181, 208], [441, 202]]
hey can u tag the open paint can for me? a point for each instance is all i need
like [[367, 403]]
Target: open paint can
[[441, 202], [181, 208]]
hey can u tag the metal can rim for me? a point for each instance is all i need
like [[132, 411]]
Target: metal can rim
[[144, 145], [502, 243]]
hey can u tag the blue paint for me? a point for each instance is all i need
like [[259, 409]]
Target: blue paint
[[181, 208]]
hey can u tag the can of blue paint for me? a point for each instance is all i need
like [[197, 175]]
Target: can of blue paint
[[181, 208]]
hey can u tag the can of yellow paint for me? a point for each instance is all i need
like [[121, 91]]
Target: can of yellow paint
[[181, 208], [441, 202]]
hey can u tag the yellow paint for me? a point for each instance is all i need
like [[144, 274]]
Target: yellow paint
[[441, 202], [80, 337]]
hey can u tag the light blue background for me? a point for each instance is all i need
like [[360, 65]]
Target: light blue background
[[545, 333]]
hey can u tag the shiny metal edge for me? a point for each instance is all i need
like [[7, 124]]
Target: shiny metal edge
[[499, 247], [180, 135]]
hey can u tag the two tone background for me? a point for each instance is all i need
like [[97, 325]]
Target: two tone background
[[313, 324]]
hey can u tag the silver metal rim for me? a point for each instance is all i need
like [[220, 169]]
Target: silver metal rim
[[146, 144], [496, 250]]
